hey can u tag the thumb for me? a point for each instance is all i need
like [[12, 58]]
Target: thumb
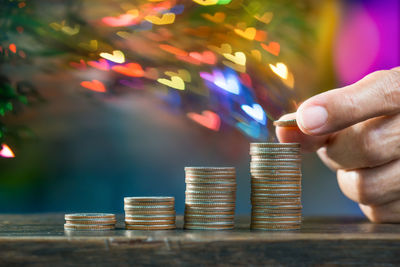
[[375, 95], [308, 143]]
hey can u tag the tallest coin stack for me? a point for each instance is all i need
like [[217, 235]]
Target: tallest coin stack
[[275, 186]]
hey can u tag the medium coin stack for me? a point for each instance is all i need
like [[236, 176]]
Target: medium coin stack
[[275, 186], [90, 221], [150, 213], [210, 198]]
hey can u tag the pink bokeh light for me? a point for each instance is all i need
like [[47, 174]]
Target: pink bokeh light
[[357, 46]]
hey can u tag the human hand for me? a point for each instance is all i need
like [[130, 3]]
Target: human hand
[[356, 132]]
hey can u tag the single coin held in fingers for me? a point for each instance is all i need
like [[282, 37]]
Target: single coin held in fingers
[[286, 123]]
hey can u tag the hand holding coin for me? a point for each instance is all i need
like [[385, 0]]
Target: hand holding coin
[[356, 132]]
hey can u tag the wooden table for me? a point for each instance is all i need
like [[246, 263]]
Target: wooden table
[[40, 239]]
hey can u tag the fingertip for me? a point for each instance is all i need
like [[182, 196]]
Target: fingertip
[[288, 134], [311, 118], [295, 135]]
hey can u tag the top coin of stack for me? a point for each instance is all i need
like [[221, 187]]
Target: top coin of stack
[[150, 213], [90, 221], [275, 186], [210, 198]]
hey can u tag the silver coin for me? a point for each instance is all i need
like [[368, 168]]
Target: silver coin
[[263, 194], [275, 168], [218, 188], [150, 199], [266, 151], [192, 227], [130, 216], [273, 214], [229, 190], [209, 196], [295, 201], [275, 180], [73, 216], [216, 202], [197, 204], [276, 177], [274, 153], [260, 186], [205, 192], [208, 173], [91, 220], [264, 163], [132, 221], [211, 177], [276, 189], [261, 175], [88, 225], [150, 227], [229, 222], [274, 171], [209, 222], [88, 228], [254, 148], [275, 229], [286, 123], [210, 169], [198, 181], [266, 156], [138, 207], [189, 215], [276, 208], [269, 144], [266, 190], [270, 181], [209, 193], [276, 184], [276, 222], [205, 201], [275, 160], [209, 209], [279, 195], [295, 152], [276, 217]]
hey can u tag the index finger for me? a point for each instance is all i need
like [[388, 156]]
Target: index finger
[[375, 95], [308, 143]]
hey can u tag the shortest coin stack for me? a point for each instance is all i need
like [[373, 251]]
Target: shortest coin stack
[[210, 198], [90, 221], [150, 213]]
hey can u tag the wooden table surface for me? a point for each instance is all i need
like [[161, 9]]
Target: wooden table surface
[[41, 239]]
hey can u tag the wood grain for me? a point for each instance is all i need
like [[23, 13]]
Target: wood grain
[[40, 239]]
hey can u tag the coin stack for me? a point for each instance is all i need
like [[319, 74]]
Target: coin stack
[[150, 213], [275, 186], [90, 221], [210, 198]]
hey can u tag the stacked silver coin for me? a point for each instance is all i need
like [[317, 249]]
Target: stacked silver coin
[[210, 198], [90, 221], [150, 213], [275, 186]]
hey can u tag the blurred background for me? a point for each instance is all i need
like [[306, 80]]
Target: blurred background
[[112, 98]]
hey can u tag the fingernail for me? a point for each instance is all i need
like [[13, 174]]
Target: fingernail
[[313, 117]]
